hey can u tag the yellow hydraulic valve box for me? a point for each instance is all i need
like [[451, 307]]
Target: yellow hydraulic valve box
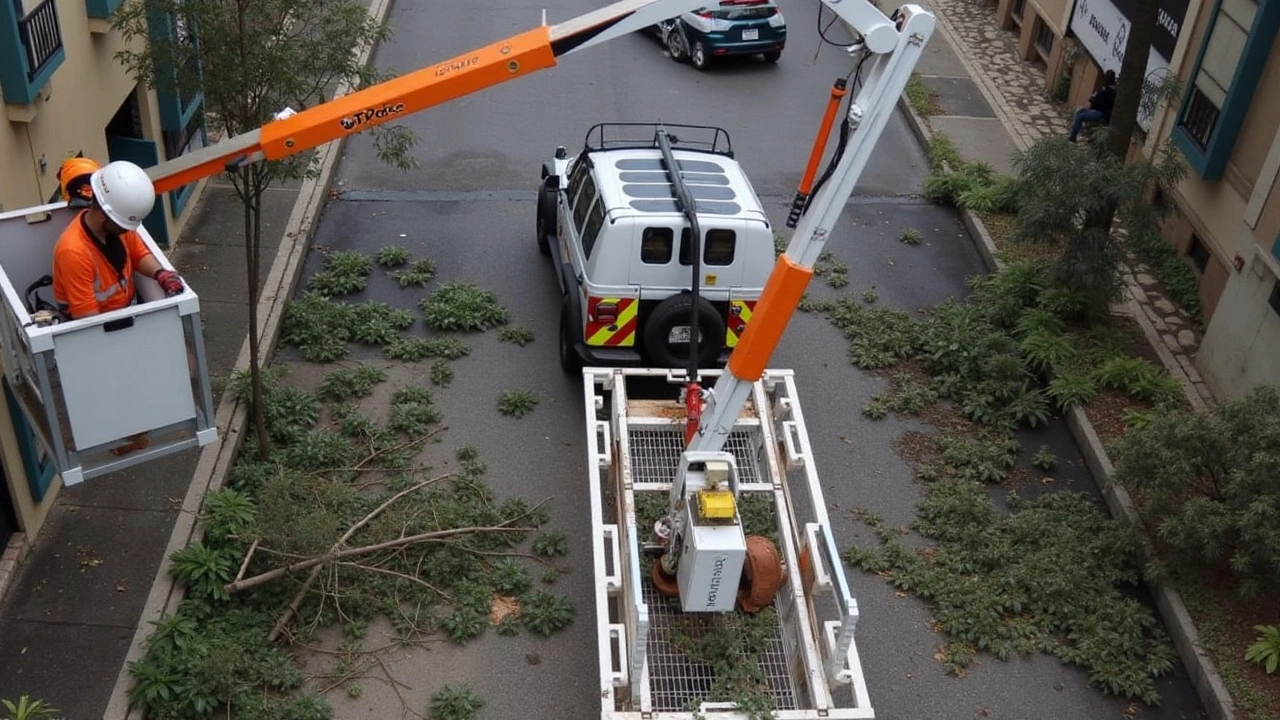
[[716, 504]]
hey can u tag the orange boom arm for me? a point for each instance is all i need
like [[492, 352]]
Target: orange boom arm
[[436, 84]]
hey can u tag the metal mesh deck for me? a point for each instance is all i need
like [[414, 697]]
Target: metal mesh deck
[[675, 680], [655, 453]]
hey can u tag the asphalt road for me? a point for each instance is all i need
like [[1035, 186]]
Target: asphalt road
[[470, 208]]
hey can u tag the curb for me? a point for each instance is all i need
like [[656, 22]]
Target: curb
[[232, 414], [1204, 676]]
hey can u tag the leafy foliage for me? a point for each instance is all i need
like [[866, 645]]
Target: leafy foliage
[[544, 612], [441, 373], [28, 708], [418, 274], [551, 544], [454, 702], [1051, 577], [391, 256], [343, 273], [516, 334], [517, 403], [910, 236], [462, 307], [351, 382], [1266, 649], [204, 570], [1208, 483], [1071, 390]]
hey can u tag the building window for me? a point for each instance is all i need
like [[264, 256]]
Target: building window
[[1223, 81], [1198, 253], [1019, 8], [1274, 300], [1044, 38]]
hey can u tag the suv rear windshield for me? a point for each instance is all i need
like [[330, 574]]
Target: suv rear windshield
[[743, 11]]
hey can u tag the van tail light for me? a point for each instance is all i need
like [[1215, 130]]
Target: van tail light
[[605, 312]]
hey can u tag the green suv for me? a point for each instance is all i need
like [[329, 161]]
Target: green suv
[[734, 27]]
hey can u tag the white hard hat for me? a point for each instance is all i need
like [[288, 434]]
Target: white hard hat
[[124, 192]]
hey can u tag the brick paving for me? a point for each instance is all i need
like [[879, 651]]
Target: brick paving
[[1016, 91]]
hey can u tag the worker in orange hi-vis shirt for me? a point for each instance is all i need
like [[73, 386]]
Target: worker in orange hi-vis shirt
[[97, 255], [73, 179]]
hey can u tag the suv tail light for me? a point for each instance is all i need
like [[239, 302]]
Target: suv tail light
[[704, 14], [605, 312]]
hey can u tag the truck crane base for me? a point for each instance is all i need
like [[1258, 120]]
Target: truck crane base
[[635, 448]]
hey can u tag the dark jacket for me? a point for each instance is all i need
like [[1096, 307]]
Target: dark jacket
[[1102, 100]]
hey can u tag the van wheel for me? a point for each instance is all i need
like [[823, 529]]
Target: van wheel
[[546, 219], [676, 45], [667, 332], [570, 361], [698, 55]]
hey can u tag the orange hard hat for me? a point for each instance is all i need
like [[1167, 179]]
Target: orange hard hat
[[73, 176]]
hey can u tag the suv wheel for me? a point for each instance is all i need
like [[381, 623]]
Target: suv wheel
[[772, 56], [676, 45], [546, 219], [570, 361], [698, 55], [667, 332]]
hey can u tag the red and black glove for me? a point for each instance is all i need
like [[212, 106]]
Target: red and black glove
[[169, 282]]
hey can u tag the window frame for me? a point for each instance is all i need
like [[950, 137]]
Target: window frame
[[1210, 162]]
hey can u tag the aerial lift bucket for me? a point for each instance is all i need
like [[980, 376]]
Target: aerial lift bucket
[[90, 389]]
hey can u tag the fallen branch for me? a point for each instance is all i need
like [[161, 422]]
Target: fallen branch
[[245, 565], [292, 609], [321, 560], [404, 576]]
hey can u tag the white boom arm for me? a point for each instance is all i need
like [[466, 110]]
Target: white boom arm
[[894, 46]]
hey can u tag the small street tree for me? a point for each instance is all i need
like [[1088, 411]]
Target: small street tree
[[251, 59], [1074, 198]]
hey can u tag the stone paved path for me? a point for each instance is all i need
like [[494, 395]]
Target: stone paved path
[[1016, 92]]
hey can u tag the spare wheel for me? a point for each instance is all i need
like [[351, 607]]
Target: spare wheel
[[666, 332]]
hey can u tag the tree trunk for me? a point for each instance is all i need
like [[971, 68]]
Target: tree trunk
[[1133, 76], [252, 241]]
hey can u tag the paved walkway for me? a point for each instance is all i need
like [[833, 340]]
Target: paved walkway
[[1015, 91]]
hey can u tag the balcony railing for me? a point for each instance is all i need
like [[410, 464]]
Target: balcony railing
[[41, 36]]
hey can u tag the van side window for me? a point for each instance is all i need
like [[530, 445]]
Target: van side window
[[585, 200], [656, 245], [579, 173], [719, 247], [595, 219]]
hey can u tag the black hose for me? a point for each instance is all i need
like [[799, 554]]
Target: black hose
[[685, 202]]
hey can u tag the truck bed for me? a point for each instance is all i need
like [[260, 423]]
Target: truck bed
[[636, 438]]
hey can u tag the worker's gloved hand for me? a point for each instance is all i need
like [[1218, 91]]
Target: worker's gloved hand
[[169, 282]]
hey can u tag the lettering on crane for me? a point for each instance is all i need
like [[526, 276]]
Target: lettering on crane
[[446, 68], [351, 122], [717, 575]]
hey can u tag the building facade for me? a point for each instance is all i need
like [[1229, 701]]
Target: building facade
[[1225, 215], [66, 94]]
